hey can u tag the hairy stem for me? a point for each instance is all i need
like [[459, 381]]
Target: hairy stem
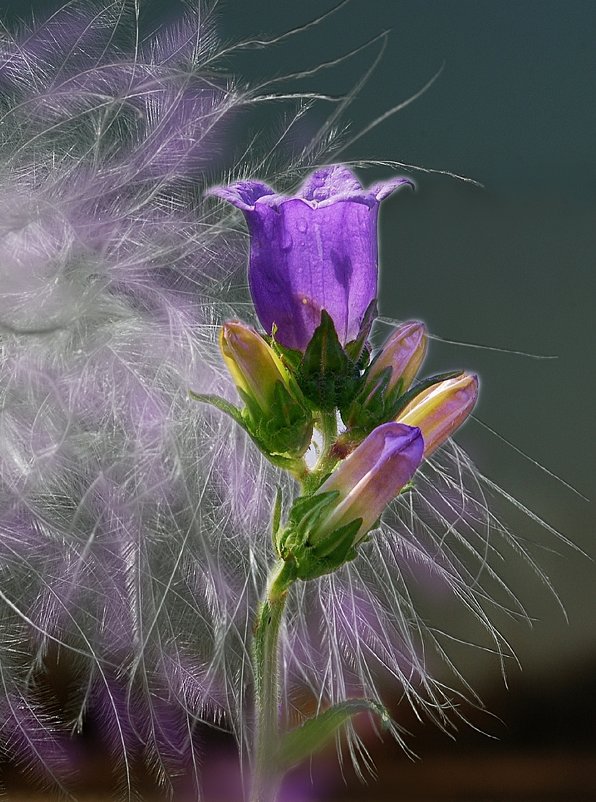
[[328, 429], [266, 647], [327, 461]]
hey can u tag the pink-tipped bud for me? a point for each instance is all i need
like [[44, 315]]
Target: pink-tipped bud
[[370, 478], [403, 353], [441, 409]]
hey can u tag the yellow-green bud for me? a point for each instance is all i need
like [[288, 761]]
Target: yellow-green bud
[[441, 409], [275, 412], [253, 364]]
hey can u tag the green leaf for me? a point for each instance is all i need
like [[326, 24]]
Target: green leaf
[[221, 404], [303, 741]]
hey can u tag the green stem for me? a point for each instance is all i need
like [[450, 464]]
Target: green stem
[[300, 472], [328, 429], [266, 647], [327, 425]]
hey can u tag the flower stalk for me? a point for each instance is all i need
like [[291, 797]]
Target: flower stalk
[[313, 280], [266, 659]]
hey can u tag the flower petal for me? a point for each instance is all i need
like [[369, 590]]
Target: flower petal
[[242, 194], [329, 182], [382, 189], [313, 251], [441, 409], [306, 259]]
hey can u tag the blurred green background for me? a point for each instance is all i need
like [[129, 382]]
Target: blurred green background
[[510, 265]]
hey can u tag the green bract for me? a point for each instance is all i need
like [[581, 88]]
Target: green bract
[[327, 376], [297, 544]]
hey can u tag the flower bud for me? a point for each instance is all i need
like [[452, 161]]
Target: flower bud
[[275, 411], [325, 528], [388, 377], [371, 477], [403, 354], [253, 364], [440, 410]]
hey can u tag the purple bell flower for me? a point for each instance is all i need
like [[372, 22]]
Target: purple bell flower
[[313, 251]]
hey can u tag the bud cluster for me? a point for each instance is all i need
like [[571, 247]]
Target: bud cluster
[[391, 425], [313, 279]]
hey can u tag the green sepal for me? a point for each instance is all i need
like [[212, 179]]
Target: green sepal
[[303, 518], [244, 419], [373, 404], [296, 543], [357, 350], [326, 375], [286, 428], [311, 736], [338, 547], [289, 356], [251, 412]]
